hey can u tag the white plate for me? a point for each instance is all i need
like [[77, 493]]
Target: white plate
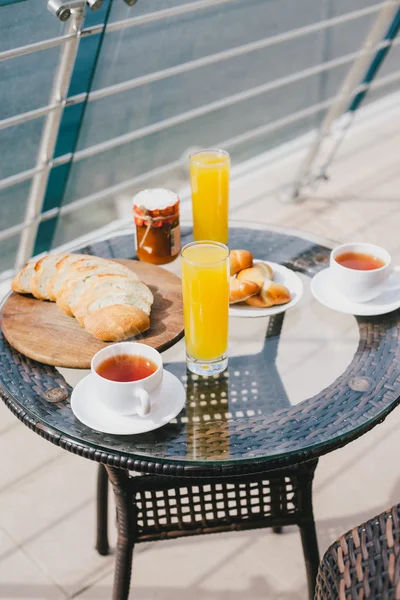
[[323, 290], [282, 275], [167, 403]]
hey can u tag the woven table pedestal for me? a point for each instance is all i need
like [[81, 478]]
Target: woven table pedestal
[[153, 507]]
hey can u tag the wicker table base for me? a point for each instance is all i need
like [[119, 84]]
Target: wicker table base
[[153, 507]]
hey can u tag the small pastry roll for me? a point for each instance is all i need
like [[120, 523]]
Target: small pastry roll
[[240, 259], [252, 274], [264, 268], [242, 290], [271, 294]]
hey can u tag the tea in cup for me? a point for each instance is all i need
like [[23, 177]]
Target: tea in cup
[[359, 272], [125, 375]]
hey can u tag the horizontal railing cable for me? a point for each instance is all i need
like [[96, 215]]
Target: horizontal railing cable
[[126, 23], [35, 47], [166, 13], [46, 44], [30, 115], [188, 66], [19, 177], [381, 82], [15, 229]]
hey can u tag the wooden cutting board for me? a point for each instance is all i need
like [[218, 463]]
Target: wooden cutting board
[[41, 331]]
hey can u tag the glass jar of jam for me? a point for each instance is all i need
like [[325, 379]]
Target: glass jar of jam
[[156, 216]]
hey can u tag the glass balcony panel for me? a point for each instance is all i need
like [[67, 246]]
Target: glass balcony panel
[[26, 81], [27, 23], [19, 146], [13, 204], [106, 169], [140, 50], [8, 251]]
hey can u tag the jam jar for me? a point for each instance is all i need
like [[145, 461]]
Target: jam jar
[[156, 216]]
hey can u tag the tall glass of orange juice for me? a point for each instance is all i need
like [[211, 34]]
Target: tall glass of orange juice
[[209, 179], [205, 287]]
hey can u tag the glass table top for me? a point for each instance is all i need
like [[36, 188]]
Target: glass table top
[[297, 385]]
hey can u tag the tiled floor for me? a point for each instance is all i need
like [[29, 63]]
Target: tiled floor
[[47, 495]]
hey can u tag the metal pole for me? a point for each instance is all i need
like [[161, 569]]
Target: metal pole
[[377, 62], [49, 136], [359, 98], [357, 71]]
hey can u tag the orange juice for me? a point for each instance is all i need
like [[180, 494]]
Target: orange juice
[[205, 286], [209, 178]]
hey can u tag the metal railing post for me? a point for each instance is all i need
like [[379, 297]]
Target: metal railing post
[[48, 141], [307, 172]]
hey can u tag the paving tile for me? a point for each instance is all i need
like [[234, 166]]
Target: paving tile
[[21, 578], [7, 544], [25, 451], [65, 551], [44, 498], [357, 482], [7, 419], [51, 514], [218, 567]]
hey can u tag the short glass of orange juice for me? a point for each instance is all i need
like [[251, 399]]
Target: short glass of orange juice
[[209, 179], [205, 287]]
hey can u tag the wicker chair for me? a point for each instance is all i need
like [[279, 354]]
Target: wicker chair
[[363, 563]]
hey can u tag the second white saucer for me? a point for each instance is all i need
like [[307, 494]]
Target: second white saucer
[[166, 403], [324, 291]]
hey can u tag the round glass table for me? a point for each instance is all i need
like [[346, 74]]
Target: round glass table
[[243, 452]]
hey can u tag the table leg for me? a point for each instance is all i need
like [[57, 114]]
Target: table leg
[[126, 524], [307, 525], [275, 503], [311, 554], [102, 546]]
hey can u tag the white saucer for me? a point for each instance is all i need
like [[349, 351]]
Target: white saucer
[[167, 403], [323, 290], [282, 275]]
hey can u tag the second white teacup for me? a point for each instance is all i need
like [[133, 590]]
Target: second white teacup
[[355, 284], [127, 397]]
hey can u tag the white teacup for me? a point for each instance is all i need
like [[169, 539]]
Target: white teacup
[[127, 397], [357, 285]]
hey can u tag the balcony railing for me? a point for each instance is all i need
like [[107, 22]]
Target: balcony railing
[[61, 99]]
